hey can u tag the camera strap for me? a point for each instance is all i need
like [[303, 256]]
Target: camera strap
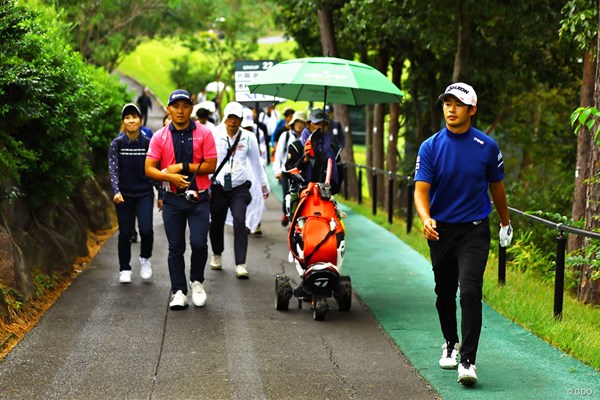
[[195, 172], [230, 151]]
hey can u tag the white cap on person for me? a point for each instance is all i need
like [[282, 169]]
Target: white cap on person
[[463, 92], [234, 108]]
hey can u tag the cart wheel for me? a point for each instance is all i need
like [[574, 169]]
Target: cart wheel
[[343, 294], [320, 309], [283, 292]]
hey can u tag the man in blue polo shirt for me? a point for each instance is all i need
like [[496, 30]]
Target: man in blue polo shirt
[[454, 170]]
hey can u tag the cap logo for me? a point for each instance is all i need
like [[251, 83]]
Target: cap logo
[[462, 89], [463, 92]]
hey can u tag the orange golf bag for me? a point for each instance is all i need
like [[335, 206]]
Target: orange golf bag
[[316, 239]]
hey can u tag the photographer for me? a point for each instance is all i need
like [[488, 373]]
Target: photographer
[[186, 152], [310, 153]]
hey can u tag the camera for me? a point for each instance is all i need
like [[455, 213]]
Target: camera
[[191, 196]]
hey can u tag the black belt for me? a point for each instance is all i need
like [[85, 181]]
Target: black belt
[[461, 224]]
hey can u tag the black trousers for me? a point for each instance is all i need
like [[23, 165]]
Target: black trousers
[[459, 259], [142, 208], [177, 215], [237, 201]]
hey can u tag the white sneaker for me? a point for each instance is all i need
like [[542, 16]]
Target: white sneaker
[[198, 294], [125, 276], [449, 358], [241, 272], [179, 301], [146, 270], [215, 262], [467, 374]]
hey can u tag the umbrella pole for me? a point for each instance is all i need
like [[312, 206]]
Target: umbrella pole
[[325, 98]]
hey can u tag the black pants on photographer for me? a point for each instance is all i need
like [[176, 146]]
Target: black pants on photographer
[[236, 200]]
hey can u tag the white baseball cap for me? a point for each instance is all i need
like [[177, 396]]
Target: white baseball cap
[[463, 92], [208, 105], [234, 108]]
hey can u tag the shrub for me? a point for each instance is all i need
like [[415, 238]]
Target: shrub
[[58, 113]]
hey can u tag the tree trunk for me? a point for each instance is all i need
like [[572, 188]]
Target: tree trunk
[[347, 152], [461, 58], [369, 135], [583, 149], [326, 29], [589, 289], [329, 45], [369, 111], [368, 132], [436, 114], [383, 60], [419, 123], [392, 152]]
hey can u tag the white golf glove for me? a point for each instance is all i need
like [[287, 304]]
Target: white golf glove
[[506, 235]]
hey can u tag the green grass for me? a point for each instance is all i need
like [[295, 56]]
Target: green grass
[[150, 64], [523, 299], [530, 303]]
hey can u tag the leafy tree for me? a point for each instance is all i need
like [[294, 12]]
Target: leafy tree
[[579, 25], [190, 75], [232, 38], [14, 158], [588, 117], [298, 18], [105, 31], [55, 107], [385, 44]]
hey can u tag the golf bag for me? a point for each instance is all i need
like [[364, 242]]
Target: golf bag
[[316, 239]]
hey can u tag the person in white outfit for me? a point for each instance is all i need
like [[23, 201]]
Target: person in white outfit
[[270, 116], [256, 208], [237, 152]]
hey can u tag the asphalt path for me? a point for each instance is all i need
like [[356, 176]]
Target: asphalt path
[[105, 340]]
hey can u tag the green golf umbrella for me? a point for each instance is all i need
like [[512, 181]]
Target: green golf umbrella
[[326, 79]]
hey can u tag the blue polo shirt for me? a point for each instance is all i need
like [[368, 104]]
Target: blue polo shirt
[[459, 168]]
